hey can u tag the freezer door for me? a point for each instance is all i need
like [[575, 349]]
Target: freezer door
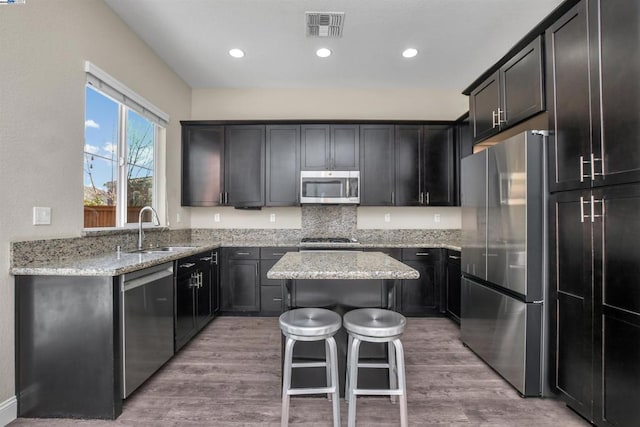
[[474, 214], [505, 333]]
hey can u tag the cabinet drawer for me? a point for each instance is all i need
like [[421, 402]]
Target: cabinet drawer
[[270, 299], [243, 253], [265, 266], [422, 254], [276, 252]]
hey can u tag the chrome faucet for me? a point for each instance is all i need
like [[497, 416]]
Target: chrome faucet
[[154, 218]]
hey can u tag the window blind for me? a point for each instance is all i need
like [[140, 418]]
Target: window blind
[[110, 86]]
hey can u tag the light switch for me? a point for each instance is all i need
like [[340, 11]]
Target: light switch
[[41, 215]]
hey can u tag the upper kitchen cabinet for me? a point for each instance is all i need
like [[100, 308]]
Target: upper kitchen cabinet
[[330, 147], [593, 63], [377, 165], [244, 166], [282, 165], [202, 165], [570, 106], [510, 95], [438, 176], [425, 165]]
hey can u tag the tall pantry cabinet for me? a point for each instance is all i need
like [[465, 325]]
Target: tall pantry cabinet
[[593, 96]]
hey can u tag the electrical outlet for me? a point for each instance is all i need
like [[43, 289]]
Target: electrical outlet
[[216, 217], [387, 217], [436, 218], [41, 216], [272, 217], [178, 217]]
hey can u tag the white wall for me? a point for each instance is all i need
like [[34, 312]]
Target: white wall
[[43, 46]]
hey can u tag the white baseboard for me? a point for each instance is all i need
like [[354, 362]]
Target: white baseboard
[[8, 411]]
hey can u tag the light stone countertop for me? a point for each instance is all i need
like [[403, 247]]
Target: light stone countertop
[[340, 265], [114, 264]]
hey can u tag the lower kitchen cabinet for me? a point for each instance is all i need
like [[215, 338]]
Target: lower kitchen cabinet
[[595, 265], [195, 295], [271, 298], [421, 297], [240, 285], [452, 286]]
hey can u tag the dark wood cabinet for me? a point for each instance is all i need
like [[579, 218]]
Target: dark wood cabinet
[[595, 263], [271, 298], [330, 147], [512, 94], [244, 165], [377, 165], [240, 285], [202, 165], [438, 166], [425, 165], [282, 165], [570, 109], [421, 297], [452, 285], [195, 295]]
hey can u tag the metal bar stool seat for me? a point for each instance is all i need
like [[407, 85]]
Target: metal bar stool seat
[[381, 326], [311, 324]]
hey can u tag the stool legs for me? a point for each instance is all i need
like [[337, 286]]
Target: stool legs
[[332, 389], [397, 379]]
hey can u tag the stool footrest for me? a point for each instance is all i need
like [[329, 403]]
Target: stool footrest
[[377, 392], [309, 365], [374, 365], [320, 390]]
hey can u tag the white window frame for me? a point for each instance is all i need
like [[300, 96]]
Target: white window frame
[[108, 86]]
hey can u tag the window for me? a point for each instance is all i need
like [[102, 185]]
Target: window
[[120, 151]]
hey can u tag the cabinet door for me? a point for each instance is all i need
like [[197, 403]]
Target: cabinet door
[[419, 297], [314, 147], [345, 148], [244, 165], [570, 276], [619, 37], [185, 322], [408, 141], [617, 304], [522, 85], [483, 108], [216, 297], [439, 166], [283, 165], [202, 165], [377, 165], [204, 293], [453, 286], [568, 100], [242, 286]]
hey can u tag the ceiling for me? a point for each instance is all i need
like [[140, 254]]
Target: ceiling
[[457, 40]]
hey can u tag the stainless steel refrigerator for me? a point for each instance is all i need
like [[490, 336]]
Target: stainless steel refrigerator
[[503, 315]]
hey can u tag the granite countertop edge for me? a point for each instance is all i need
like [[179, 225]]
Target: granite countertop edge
[[114, 264]]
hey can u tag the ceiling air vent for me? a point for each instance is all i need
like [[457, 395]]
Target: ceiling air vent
[[324, 24]]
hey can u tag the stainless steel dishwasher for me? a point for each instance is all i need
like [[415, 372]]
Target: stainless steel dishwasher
[[146, 301]]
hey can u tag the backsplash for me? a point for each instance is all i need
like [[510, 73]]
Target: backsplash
[[329, 221]]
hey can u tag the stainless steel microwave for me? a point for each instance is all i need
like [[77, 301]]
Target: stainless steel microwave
[[331, 187]]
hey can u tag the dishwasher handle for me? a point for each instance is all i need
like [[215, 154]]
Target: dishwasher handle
[[141, 281]]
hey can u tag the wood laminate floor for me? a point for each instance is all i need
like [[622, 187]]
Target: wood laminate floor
[[229, 375]]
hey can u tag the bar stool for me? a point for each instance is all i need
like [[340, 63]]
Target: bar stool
[[382, 326], [311, 324]]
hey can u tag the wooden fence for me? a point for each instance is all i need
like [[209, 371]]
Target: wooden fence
[[105, 216]]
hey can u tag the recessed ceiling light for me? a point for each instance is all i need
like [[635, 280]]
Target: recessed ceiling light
[[410, 53], [236, 53], [323, 52]]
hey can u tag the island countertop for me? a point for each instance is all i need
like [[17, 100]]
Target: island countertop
[[351, 265]]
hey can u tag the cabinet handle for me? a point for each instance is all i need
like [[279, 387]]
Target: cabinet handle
[[221, 198], [215, 258], [277, 299], [595, 159], [278, 253], [393, 197], [593, 211], [421, 201], [582, 203], [422, 254], [427, 202], [187, 265], [493, 119], [485, 254], [226, 197], [582, 163], [207, 258], [453, 257], [504, 114]]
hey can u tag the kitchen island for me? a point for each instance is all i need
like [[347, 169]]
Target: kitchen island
[[339, 281]]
